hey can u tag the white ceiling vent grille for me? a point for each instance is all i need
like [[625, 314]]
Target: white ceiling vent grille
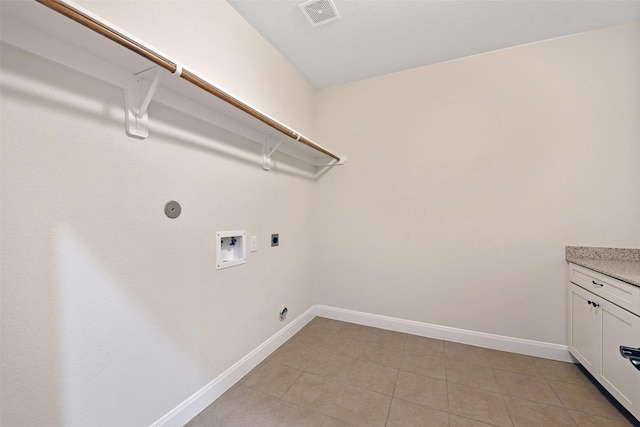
[[320, 12]]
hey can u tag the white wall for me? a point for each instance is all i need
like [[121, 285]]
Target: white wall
[[466, 180], [113, 314]]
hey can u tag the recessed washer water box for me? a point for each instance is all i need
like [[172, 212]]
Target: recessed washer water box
[[231, 248]]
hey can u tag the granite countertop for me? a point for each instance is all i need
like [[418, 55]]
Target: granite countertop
[[621, 263]]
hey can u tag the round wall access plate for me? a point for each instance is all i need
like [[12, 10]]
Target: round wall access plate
[[172, 209]]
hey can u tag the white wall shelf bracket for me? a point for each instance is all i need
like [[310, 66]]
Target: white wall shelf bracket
[[137, 99], [267, 151]]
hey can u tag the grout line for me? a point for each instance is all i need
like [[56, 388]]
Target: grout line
[[393, 393], [503, 401], [386, 420], [446, 379], [292, 384]]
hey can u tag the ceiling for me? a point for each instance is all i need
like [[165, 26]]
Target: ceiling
[[375, 37]]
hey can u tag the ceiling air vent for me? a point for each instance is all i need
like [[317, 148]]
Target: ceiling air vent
[[320, 12]]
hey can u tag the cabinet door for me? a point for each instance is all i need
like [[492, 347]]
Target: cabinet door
[[619, 376], [585, 329]]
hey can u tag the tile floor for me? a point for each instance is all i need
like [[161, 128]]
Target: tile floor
[[336, 374]]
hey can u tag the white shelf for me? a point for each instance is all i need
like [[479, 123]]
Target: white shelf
[[39, 30]]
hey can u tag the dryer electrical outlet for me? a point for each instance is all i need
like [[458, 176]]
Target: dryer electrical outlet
[[231, 248]]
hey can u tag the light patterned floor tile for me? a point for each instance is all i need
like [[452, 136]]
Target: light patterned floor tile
[[512, 362], [427, 346], [331, 365], [423, 364], [426, 391], [361, 407], [583, 419], [273, 379], [480, 405], [526, 387], [460, 372], [382, 355], [314, 392], [584, 399], [374, 377], [525, 413], [407, 414]]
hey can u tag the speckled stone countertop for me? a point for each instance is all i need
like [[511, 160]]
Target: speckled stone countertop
[[623, 264]]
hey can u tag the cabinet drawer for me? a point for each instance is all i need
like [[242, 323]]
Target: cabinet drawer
[[618, 292]]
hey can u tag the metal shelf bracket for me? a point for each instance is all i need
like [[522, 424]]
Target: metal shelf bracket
[[137, 98]]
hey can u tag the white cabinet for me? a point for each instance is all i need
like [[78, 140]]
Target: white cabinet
[[597, 329]]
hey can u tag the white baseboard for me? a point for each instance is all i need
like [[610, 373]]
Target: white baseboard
[[481, 339], [191, 407]]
